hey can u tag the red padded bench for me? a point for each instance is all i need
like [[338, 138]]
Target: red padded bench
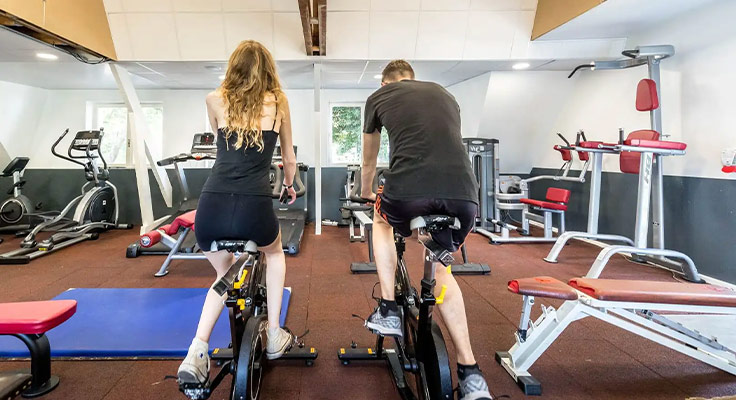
[[29, 322], [632, 305], [184, 221], [183, 225]]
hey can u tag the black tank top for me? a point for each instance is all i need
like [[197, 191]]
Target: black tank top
[[243, 170]]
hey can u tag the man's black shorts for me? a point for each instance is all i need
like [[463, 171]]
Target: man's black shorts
[[399, 213]]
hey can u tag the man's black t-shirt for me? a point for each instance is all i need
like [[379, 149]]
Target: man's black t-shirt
[[428, 159]]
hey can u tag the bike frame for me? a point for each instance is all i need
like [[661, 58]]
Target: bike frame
[[422, 350]]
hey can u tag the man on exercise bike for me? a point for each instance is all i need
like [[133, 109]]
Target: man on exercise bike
[[429, 173]]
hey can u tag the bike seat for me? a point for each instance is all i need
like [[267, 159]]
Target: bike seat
[[235, 246], [435, 223]]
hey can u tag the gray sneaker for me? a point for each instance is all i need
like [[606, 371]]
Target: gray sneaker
[[474, 387], [196, 366], [389, 325]]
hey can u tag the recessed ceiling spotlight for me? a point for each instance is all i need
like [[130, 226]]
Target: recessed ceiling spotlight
[[221, 77], [377, 76], [521, 65], [47, 56]]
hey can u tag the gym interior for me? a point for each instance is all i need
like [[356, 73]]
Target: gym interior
[[600, 134]]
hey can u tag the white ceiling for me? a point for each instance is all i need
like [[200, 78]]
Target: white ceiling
[[19, 64], [622, 18]]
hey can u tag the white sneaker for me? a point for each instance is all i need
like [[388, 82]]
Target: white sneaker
[[279, 343], [196, 366]]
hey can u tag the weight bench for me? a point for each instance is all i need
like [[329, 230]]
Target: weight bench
[[628, 304], [29, 322], [182, 225]]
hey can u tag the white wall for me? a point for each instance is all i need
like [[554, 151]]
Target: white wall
[[521, 110], [705, 43], [470, 95], [39, 116], [184, 115], [22, 107], [524, 110]]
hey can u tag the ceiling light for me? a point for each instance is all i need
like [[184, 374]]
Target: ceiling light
[[221, 77], [47, 56], [379, 76], [521, 65]]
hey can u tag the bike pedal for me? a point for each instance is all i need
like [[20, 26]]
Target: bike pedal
[[196, 391]]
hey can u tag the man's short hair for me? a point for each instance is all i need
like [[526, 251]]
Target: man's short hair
[[397, 69]]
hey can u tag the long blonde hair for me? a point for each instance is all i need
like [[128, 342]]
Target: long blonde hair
[[251, 75]]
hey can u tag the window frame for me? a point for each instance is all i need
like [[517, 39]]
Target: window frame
[[361, 105], [95, 106]]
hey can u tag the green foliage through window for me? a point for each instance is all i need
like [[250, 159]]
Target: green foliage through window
[[347, 134], [114, 118]]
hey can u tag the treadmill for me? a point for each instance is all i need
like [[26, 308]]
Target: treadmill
[[292, 220], [203, 148]]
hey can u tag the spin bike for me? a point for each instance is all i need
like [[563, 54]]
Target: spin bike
[[421, 354], [244, 359], [17, 213]]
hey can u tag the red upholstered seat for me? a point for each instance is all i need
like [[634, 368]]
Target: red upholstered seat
[[185, 220], [545, 204], [593, 145], [556, 200], [565, 153], [583, 155], [34, 317], [656, 292], [656, 144], [543, 286]]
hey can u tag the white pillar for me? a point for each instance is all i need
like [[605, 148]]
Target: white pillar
[[316, 120], [138, 134]]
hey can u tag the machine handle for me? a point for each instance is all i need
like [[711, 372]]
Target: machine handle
[[579, 67], [563, 139], [99, 148], [63, 157], [620, 135]]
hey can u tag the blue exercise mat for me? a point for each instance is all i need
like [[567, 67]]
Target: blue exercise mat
[[126, 323]]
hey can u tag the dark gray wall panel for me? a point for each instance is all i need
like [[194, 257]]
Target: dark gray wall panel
[[699, 216], [56, 187]]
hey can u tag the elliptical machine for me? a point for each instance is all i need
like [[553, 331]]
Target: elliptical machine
[[95, 209], [17, 212]]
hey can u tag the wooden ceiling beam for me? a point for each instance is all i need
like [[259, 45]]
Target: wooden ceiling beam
[[322, 24], [306, 17]]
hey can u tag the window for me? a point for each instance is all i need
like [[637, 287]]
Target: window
[[116, 142], [347, 135]]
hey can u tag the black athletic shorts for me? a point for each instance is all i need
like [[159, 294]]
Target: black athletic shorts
[[235, 216], [399, 213]]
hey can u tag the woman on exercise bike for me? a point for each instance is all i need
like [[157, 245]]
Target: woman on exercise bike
[[249, 112]]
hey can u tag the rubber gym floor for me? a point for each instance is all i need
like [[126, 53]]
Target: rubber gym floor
[[591, 360]]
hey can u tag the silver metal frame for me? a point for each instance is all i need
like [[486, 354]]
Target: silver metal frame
[[533, 338], [175, 254], [479, 155], [650, 187]]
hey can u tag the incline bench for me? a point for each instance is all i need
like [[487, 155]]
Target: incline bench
[[29, 322], [628, 304], [183, 225]]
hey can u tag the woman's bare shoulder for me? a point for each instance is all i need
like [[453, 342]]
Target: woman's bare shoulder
[[214, 97]]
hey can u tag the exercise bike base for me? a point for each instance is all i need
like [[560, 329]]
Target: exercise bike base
[[346, 355]]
